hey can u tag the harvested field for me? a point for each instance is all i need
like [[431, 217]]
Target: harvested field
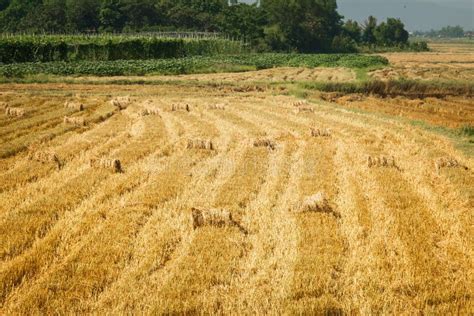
[[281, 74], [346, 209], [444, 62], [452, 112]]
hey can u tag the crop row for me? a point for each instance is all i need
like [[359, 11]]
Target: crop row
[[196, 64]]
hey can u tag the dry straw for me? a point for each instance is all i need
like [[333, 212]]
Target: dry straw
[[3, 105], [316, 132], [112, 164], [317, 203], [180, 107], [77, 121], [45, 157], [121, 102], [216, 107], [265, 142], [74, 106], [299, 103], [382, 161], [304, 109], [204, 144], [16, 112], [448, 162], [214, 218], [150, 111]]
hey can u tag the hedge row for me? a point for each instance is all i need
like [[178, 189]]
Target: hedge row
[[18, 49]]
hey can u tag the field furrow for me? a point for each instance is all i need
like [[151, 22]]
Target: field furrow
[[295, 219]]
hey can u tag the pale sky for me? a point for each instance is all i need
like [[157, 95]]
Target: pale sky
[[416, 14]]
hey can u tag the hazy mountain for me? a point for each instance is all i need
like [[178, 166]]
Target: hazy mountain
[[417, 14]]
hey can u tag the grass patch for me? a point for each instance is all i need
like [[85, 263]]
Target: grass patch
[[467, 131], [392, 88]]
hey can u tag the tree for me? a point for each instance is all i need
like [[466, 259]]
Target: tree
[[111, 16], [12, 19], [302, 25], [244, 21], [83, 15], [140, 14], [199, 15], [50, 17], [368, 34], [4, 4], [352, 30], [391, 33], [452, 31]]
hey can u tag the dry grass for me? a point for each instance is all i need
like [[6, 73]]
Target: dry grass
[[180, 107], [265, 142], [448, 162], [76, 121], [381, 161], [215, 218], [216, 107], [46, 157], [299, 103], [204, 144], [15, 112], [317, 132], [304, 109], [91, 240], [121, 103], [76, 106], [112, 164]]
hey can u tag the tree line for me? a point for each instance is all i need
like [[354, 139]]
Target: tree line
[[281, 25], [446, 32]]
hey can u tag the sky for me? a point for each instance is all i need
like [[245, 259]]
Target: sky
[[421, 15]]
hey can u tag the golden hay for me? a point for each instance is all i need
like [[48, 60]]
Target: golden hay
[[200, 144], [18, 112], [299, 103], [77, 121], [316, 132], [180, 107], [214, 218], [381, 161], [150, 111], [304, 109], [448, 162], [216, 107], [317, 203], [74, 106], [113, 164], [265, 142], [121, 102], [45, 157], [3, 105]]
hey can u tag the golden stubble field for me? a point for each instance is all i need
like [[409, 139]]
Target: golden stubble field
[[445, 61], [80, 235]]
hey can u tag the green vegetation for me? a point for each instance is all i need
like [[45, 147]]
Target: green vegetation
[[304, 26], [18, 49], [409, 88], [467, 130], [198, 64]]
